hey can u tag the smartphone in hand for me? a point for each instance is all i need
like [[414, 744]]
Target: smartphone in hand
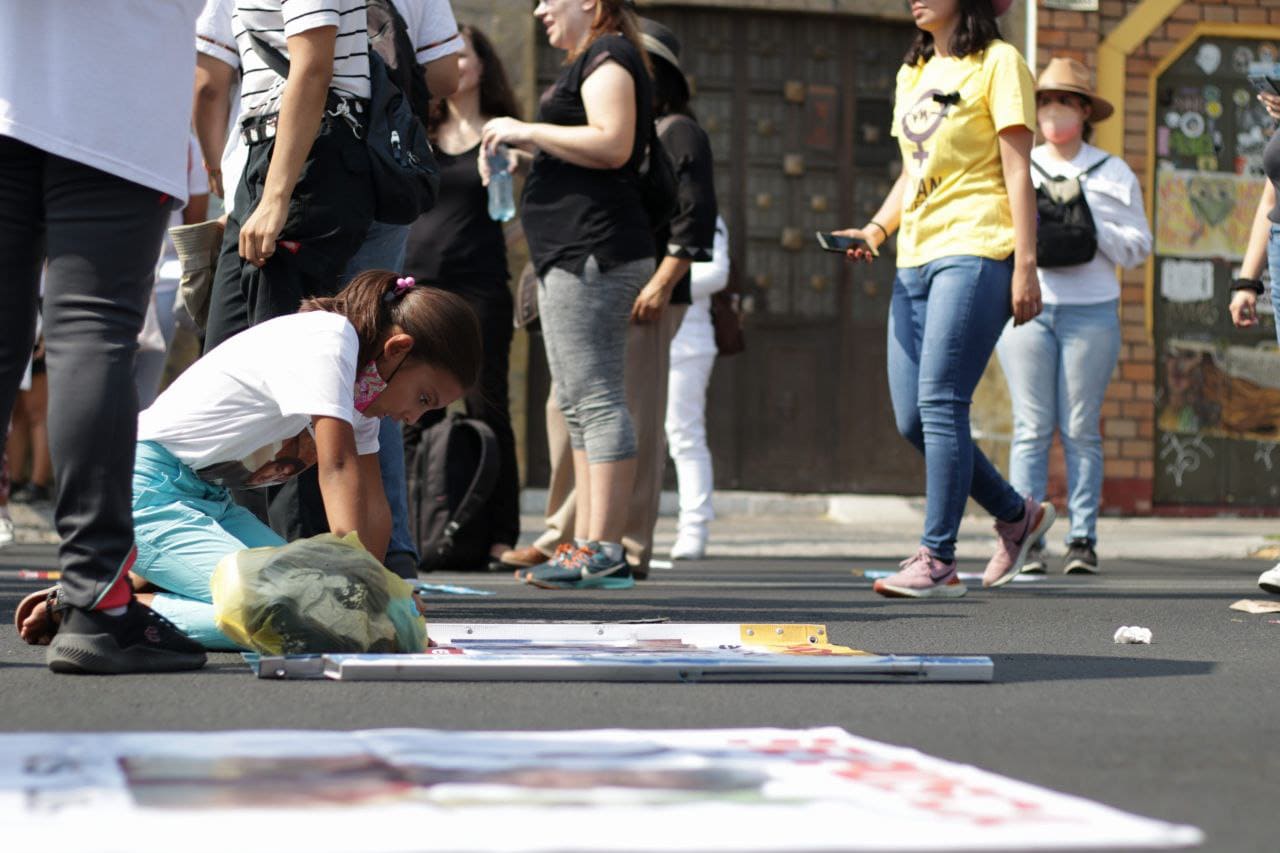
[[838, 243], [1265, 85]]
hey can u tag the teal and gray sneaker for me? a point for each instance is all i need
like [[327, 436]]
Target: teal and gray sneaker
[[600, 572], [564, 567], [588, 568]]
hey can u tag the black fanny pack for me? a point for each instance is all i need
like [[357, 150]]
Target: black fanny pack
[[402, 164]]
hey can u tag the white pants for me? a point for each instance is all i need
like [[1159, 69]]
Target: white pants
[[687, 436]]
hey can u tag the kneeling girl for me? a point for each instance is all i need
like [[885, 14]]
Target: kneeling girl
[[300, 390]]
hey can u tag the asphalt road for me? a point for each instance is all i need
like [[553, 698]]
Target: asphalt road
[[1185, 729]]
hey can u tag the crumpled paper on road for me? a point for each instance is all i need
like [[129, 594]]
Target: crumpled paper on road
[[1133, 634], [1253, 605]]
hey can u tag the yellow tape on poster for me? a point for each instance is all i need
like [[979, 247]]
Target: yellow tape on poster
[[793, 639]]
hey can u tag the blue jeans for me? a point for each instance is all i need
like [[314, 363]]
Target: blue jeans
[[1273, 266], [384, 249], [1058, 367], [183, 526], [944, 320]]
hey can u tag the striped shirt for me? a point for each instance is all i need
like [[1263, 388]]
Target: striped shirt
[[275, 21], [432, 28]]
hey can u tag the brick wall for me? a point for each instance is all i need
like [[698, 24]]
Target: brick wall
[[1129, 411]]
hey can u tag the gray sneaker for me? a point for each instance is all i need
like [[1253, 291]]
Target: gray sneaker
[[1035, 563], [1081, 559]]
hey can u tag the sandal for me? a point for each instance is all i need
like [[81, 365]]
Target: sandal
[[54, 606]]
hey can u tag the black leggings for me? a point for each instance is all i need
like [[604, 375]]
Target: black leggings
[[101, 235]]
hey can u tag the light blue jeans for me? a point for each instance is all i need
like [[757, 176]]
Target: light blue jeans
[[1058, 367], [384, 249], [182, 527], [944, 319]]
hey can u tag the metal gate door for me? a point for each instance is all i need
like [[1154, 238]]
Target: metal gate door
[[798, 109]]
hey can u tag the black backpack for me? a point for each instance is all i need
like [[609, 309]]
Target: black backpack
[[389, 36], [402, 164], [1065, 233], [453, 466]]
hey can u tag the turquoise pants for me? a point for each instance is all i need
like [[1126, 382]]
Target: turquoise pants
[[183, 526]]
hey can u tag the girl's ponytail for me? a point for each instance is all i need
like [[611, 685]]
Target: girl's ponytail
[[444, 329]]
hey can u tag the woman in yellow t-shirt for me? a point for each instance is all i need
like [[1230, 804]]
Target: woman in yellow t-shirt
[[964, 115]]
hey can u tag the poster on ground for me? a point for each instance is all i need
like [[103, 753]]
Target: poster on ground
[[401, 790], [650, 652]]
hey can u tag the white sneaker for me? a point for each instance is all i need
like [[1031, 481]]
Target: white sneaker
[[6, 532], [691, 543], [1270, 580]]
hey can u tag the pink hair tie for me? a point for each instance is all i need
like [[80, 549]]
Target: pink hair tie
[[403, 286]]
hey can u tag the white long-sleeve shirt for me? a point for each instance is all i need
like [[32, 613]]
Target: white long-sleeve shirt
[[696, 336], [1124, 235]]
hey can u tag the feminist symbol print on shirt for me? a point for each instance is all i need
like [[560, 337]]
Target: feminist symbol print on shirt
[[923, 119]]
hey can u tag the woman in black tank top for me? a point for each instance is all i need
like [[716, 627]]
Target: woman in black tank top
[[591, 242], [456, 246]]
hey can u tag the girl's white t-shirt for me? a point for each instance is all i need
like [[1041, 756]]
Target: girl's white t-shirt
[[241, 415], [106, 84]]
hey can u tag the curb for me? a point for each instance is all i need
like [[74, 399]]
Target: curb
[[845, 509]]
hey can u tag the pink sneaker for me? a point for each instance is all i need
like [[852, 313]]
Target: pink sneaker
[[1014, 539], [922, 576]]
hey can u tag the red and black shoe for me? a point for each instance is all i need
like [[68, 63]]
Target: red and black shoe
[[138, 640]]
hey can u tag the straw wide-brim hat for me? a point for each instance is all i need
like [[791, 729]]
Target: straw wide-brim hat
[[1067, 75]]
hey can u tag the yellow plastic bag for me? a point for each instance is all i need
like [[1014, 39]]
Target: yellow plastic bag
[[323, 594]]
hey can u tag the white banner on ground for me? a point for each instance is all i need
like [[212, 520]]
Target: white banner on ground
[[402, 790]]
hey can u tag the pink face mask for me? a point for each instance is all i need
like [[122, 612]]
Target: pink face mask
[[369, 386], [1060, 124]]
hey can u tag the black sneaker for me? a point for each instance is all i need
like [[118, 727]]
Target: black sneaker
[[31, 493], [402, 563], [138, 640], [1081, 559], [1034, 564]]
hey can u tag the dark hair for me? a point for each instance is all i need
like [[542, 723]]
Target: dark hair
[[615, 16], [976, 30], [670, 94], [496, 97], [445, 331]]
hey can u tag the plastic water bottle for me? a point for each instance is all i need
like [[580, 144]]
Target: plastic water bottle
[[502, 203]]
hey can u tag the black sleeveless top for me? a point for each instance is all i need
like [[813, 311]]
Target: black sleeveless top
[[455, 245], [571, 212]]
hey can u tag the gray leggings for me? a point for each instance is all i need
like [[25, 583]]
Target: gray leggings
[[584, 328]]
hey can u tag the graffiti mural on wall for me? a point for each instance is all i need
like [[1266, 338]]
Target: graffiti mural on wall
[[1217, 387], [1204, 214]]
